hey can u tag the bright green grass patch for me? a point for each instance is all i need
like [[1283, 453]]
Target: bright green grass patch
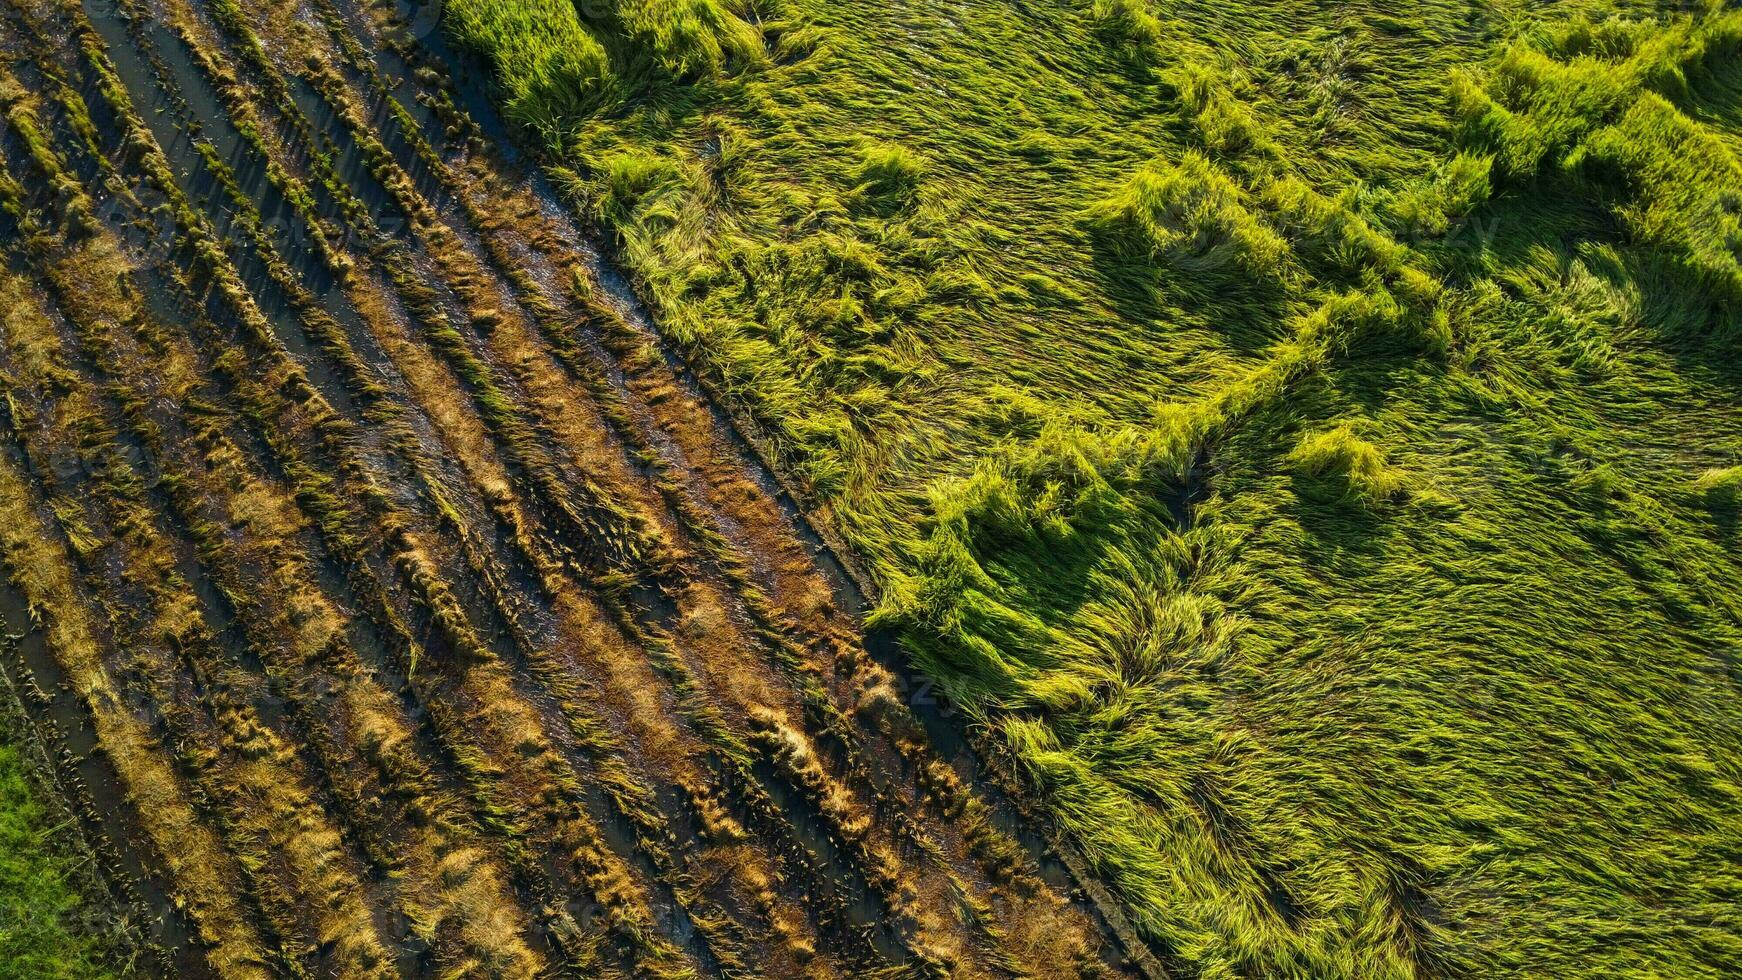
[[550, 66], [1065, 314], [1358, 464], [38, 899], [690, 37], [1722, 487], [1191, 216]]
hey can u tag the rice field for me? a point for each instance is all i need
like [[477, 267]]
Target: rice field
[[772, 488]]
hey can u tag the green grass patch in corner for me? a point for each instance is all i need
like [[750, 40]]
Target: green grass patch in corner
[[41, 903]]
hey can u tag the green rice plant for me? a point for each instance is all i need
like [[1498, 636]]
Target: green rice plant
[[691, 37], [1431, 207], [1339, 454], [1721, 487], [632, 183], [1683, 180], [888, 179], [1610, 106], [1225, 124], [550, 66], [1129, 23], [1332, 233]]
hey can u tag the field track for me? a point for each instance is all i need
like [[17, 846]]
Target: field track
[[406, 611]]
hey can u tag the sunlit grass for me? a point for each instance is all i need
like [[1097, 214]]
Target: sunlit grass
[[1111, 335], [39, 897]]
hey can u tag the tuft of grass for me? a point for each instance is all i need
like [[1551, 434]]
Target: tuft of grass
[[1340, 454], [690, 37], [888, 178], [551, 67], [1720, 486], [1430, 208], [1191, 217], [1129, 23]]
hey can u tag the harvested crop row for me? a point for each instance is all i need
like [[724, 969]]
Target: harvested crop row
[[265, 796], [474, 561]]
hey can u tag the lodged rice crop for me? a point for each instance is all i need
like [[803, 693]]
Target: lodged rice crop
[[1299, 439]]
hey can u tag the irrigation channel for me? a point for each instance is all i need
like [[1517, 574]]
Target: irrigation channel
[[394, 601]]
